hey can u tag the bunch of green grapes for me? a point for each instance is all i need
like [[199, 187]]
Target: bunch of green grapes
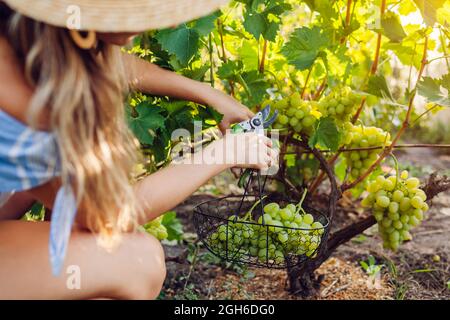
[[363, 137], [397, 206], [277, 233], [296, 114], [156, 228], [341, 104]]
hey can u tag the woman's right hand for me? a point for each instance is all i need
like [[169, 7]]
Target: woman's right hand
[[244, 150]]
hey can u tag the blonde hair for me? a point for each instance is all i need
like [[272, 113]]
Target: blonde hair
[[82, 91]]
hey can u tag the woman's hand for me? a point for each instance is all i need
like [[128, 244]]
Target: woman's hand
[[233, 111], [244, 150]]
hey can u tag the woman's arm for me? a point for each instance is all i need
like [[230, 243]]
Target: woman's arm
[[149, 78], [166, 188]]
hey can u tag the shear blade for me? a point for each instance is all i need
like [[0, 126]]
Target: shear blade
[[265, 112], [272, 119]]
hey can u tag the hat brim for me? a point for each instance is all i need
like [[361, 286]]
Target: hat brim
[[115, 15]]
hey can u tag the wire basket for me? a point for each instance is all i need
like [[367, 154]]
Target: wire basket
[[220, 226]]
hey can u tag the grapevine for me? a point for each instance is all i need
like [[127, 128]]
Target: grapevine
[[343, 102]]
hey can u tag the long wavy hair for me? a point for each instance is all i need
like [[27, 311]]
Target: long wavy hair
[[82, 91]]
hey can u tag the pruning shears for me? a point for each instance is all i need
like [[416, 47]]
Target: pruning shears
[[258, 123]]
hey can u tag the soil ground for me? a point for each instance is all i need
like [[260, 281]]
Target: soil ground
[[419, 270]]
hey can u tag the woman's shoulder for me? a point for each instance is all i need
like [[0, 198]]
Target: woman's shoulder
[[15, 92]]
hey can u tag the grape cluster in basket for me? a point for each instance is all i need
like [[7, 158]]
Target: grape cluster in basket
[[277, 233]]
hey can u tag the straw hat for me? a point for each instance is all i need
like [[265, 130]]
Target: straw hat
[[114, 15]]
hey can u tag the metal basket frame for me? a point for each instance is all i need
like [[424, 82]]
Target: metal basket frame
[[210, 215]]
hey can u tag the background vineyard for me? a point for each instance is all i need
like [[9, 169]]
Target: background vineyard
[[392, 54]]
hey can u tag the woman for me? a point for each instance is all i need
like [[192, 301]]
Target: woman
[[65, 144]]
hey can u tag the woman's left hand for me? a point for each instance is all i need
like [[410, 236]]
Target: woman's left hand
[[233, 111]]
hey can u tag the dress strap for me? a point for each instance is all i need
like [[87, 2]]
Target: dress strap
[[63, 216]]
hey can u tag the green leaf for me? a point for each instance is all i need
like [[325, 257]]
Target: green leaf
[[206, 24], [146, 123], [249, 55], [255, 24], [37, 211], [182, 42], [197, 73], [209, 113], [173, 226], [431, 89], [229, 70], [392, 27], [257, 85], [340, 169], [364, 265], [378, 87], [326, 135], [428, 8], [326, 10], [173, 106], [406, 54], [304, 46], [445, 81], [406, 7]]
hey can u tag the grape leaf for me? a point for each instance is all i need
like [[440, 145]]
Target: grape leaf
[[431, 89], [406, 7], [210, 115], [173, 226], [445, 81], [340, 169], [406, 54], [146, 123], [392, 27], [229, 70], [257, 24], [206, 24], [326, 10], [256, 84], [428, 8], [249, 55], [304, 46], [326, 135], [182, 42], [197, 73], [378, 87]]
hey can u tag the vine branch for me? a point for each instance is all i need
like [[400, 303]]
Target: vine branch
[[374, 67], [405, 124], [263, 57], [224, 54]]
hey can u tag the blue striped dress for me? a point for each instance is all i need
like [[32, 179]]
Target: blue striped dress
[[29, 158]]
